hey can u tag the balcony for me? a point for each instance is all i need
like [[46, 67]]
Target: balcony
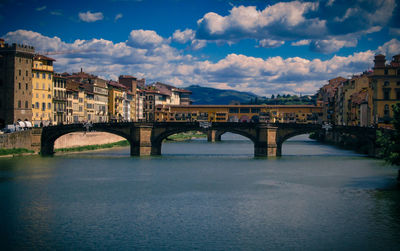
[[59, 98]]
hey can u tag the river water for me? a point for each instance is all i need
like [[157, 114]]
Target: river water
[[200, 195]]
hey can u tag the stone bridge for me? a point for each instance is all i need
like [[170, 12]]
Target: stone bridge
[[359, 139], [146, 138]]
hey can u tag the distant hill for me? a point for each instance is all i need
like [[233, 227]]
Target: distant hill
[[211, 96]]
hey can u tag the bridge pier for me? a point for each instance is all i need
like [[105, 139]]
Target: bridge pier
[[47, 148], [266, 146], [141, 144], [213, 135]]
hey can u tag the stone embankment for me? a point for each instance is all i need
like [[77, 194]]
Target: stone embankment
[[84, 139], [30, 139]]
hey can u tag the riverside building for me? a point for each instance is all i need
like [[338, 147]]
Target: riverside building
[[42, 90], [15, 83]]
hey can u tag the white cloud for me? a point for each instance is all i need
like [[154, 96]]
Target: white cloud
[[144, 39], [301, 42], [198, 44], [118, 16], [390, 48], [264, 76], [299, 21], [90, 17], [56, 13], [395, 31], [183, 36], [270, 43], [331, 45], [282, 20], [41, 8]]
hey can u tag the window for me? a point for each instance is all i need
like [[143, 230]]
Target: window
[[37, 95], [19, 103], [48, 96], [49, 76], [386, 94], [386, 83], [80, 108], [26, 73], [398, 94], [26, 86], [49, 106], [44, 75], [37, 105], [386, 71], [37, 86], [19, 86], [255, 110], [19, 71], [26, 104], [233, 110], [37, 74], [43, 106], [244, 110], [43, 86], [386, 110]]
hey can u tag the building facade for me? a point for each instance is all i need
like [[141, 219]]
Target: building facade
[[15, 83], [305, 114], [117, 103], [42, 91], [59, 99], [384, 89]]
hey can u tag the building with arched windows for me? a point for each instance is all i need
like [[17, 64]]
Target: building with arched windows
[[15, 83]]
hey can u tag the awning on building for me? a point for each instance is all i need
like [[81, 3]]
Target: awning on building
[[21, 124], [28, 124]]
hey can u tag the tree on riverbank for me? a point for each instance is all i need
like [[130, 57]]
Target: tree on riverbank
[[390, 142]]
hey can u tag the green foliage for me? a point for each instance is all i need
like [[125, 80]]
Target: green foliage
[[390, 141], [186, 136], [14, 151]]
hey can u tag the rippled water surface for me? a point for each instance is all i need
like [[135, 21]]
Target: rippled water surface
[[200, 195]]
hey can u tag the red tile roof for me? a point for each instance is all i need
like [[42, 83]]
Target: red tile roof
[[42, 57]]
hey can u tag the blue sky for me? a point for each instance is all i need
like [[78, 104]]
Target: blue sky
[[262, 46]]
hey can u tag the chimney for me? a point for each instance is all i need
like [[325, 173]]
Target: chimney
[[379, 61]]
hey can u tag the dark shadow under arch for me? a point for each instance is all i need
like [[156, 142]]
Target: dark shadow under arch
[[157, 142], [51, 133]]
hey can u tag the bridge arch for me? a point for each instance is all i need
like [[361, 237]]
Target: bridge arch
[[286, 132], [51, 133], [159, 138]]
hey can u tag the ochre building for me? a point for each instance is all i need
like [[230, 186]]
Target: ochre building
[[240, 113], [42, 90]]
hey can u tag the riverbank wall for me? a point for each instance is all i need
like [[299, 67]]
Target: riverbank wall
[[360, 140], [86, 138], [30, 139]]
